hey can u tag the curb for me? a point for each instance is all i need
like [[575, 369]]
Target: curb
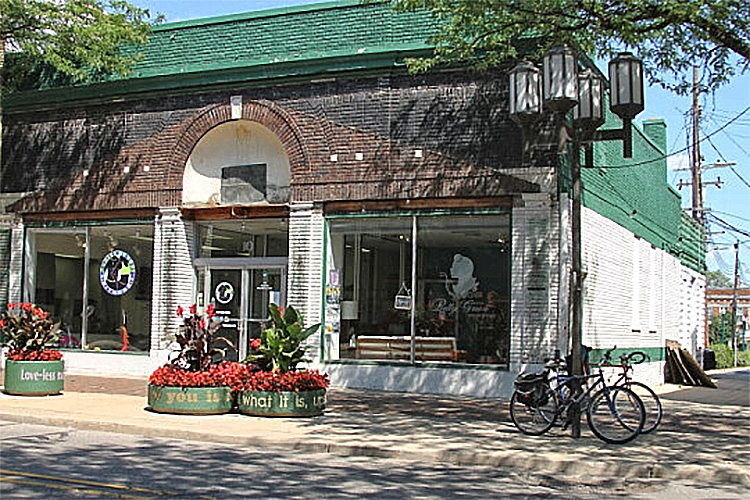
[[545, 463]]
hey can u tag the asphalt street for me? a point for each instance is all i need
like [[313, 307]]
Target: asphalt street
[[43, 462]]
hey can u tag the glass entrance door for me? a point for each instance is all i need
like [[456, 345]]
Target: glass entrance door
[[241, 295], [225, 293]]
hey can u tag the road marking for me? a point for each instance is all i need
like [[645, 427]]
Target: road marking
[[80, 482], [85, 491]]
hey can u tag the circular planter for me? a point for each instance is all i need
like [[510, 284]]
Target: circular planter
[[34, 378], [282, 404], [190, 400]]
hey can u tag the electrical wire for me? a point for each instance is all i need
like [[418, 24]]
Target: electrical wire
[[674, 153]]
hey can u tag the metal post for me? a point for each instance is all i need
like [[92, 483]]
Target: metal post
[[576, 333]]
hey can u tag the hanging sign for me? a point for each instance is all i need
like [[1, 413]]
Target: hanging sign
[[402, 301], [117, 272]]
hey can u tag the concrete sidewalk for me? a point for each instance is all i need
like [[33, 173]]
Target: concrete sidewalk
[[701, 438]]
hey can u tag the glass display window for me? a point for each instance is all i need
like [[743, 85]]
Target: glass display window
[[96, 281], [433, 288]]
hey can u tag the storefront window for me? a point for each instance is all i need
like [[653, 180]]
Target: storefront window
[[111, 266], [254, 238], [371, 264], [461, 300]]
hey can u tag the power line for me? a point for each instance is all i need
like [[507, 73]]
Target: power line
[[674, 153]]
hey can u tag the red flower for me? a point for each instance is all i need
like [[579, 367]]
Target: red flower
[[180, 311], [210, 311], [11, 305], [202, 324], [27, 306], [193, 309], [255, 344]]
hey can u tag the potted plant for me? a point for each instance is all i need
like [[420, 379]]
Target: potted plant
[[32, 366], [274, 385], [197, 380]]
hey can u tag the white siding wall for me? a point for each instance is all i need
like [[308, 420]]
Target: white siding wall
[[535, 282], [636, 295], [305, 273], [691, 332]]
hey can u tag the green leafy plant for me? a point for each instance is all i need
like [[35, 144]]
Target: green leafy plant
[[196, 340], [29, 333], [280, 347]]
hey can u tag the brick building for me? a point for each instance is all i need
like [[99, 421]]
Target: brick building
[[287, 156]]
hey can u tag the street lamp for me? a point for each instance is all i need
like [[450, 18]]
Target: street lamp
[[525, 99], [560, 78], [564, 88]]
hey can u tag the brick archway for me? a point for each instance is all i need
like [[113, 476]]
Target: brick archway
[[271, 116]]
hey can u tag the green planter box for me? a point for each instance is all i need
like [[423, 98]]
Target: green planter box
[[34, 378], [190, 400], [282, 404]]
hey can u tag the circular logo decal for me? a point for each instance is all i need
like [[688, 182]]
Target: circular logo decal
[[224, 292], [117, 272]]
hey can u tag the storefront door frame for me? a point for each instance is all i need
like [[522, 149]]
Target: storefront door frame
[[246, 266]]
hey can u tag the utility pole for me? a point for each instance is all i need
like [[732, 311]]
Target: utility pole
[[696, 157], [734, 299]]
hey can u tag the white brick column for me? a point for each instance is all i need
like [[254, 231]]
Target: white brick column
[[305, 273], [535, 281], [174, 278], [15, 269]]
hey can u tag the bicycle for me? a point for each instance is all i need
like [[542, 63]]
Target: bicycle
[[614, 414], [651, 402]]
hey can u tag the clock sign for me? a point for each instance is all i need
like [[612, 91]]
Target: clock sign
[[117, 272]]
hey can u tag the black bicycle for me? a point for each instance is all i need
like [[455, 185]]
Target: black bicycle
[[615, 414], [651, 402]]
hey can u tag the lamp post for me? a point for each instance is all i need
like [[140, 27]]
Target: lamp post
[[565, 88]]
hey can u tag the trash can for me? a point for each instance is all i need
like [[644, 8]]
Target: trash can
[[709, 359]]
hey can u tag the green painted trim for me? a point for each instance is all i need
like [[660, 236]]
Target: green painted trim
[[283, 403], [323, 292], [417, 364], [88, 223], [655, 354], [103, 351], [218, 78], [34, 378], [422, 213], [190, 400]]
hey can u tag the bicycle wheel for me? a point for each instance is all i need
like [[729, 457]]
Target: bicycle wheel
[[537, 418], [651, 405], [615, 415]]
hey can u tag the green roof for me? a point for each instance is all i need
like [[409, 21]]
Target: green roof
[[317, 31], [302, 41]]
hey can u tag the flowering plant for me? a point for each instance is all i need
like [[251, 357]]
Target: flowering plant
[[29, 332], [196, 340], [276, 381], [225, 373], [280, 348]]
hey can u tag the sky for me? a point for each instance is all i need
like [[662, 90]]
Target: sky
[[725, 130]]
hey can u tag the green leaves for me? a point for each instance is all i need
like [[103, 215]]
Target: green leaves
[[82, 40], [27, 327], [669, 35], [280, 347]]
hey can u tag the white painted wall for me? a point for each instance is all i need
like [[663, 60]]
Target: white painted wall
[[234, 143], [636, 295]]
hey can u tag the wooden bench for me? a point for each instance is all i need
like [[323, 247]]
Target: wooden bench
[[399, 348]]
